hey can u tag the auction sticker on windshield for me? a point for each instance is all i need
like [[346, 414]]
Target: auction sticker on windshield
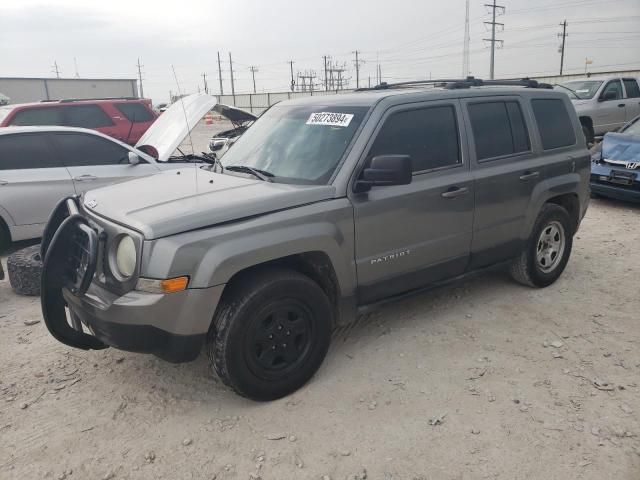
[[330, 119]]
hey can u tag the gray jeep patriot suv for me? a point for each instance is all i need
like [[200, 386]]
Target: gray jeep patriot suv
[[325, 205]]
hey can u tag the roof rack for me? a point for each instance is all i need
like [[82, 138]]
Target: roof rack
[[70, 100], [452, 84]]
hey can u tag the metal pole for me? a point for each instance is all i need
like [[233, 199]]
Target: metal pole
[[293, 82], [493, 41], [140, 79], [220, 75], [233, 88], [326, 79], [564, 36]]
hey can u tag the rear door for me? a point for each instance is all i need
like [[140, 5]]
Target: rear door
[[94, 161], [32, 180], [505, 172], [45, 115], [93, 117], [632, 90], [407, 236]]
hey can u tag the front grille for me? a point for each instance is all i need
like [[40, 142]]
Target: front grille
[[81, 258]]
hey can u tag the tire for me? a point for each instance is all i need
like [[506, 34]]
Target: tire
[[247, 344], [537, 265], [588, 135], [25, 268]]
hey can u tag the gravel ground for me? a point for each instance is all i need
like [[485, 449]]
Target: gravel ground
[[484, 379]]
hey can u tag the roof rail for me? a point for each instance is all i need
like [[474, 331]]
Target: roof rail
[[70, 100], [452, 84]]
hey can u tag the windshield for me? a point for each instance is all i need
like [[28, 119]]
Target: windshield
[[633, 128], [297, 144], [583, 89]]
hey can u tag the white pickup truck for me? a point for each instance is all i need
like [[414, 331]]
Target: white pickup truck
[[603, 104]]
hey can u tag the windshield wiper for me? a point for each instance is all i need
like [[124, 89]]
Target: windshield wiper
[[256, 172], [567, 88]]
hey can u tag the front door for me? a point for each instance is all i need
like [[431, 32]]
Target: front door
[[609, 114], [408, 236], [32, 181], [94, 161]]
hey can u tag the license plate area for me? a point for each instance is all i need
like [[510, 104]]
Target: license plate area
[[621, 178]]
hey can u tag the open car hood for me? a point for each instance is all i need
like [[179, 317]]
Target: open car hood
[[237, 116], [621, 149], [172, 127]]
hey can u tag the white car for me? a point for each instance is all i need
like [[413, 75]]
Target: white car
[[41, 165], [603, 104]]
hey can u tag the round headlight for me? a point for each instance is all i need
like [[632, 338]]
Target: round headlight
[[126, 256]]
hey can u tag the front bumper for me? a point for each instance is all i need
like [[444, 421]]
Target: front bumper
[[615, 182], [172, 326]]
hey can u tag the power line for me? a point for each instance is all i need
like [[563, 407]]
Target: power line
[[493, 39], [564, 35]]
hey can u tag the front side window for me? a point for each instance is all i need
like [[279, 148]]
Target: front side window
[[498, 129], [87, 116], [299, 143], [134, 112], [38, 116], [554, 123], [18, 152], [79, 149], [615, 87], [428, 135], [631, 86]]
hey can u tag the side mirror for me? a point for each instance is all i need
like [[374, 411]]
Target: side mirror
[[608, 96], [386, 170], [217, 144], [133, 159]]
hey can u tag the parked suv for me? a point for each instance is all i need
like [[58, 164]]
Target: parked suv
[[603, 103], [125, 119], [325, 205]]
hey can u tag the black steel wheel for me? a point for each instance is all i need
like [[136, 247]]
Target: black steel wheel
[[270, 334], [24, 268]]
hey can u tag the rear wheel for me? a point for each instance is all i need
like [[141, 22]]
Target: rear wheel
[[548, 248], [270, 334]]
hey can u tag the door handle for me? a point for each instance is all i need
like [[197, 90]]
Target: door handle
[[454, 192], [526, 176], [3, 182], [85, 178]]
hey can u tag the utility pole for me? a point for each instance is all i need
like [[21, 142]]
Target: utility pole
[[493, 39], [357, 64], [467, 40], [564, 35], [140, 78], [56, 70], [220, 75], [75, 64], [253, 71], [293, 82], [233, 88], [326, 78], [204, 80]]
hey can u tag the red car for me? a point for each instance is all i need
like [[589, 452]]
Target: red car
[[123, 118]]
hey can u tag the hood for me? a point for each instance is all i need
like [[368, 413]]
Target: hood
[[169, 203], [621, 149], [236, 115], [170, 129]]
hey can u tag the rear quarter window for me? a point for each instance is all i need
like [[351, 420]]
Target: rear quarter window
[[554, 123], [38, 116]]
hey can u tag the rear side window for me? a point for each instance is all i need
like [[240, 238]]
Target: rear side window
[[554, 123], [498, 129], [87, 116], [631, 86], [18, 152], [79, 149], [38, 116], [428, 135], [135, 112]]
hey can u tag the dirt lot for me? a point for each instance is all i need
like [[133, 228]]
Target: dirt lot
[[485, 379]]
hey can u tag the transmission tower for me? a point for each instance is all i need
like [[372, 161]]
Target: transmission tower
[[494, 8]]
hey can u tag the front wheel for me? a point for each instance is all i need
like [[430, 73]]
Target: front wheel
[[270, 334], [547, 250]]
